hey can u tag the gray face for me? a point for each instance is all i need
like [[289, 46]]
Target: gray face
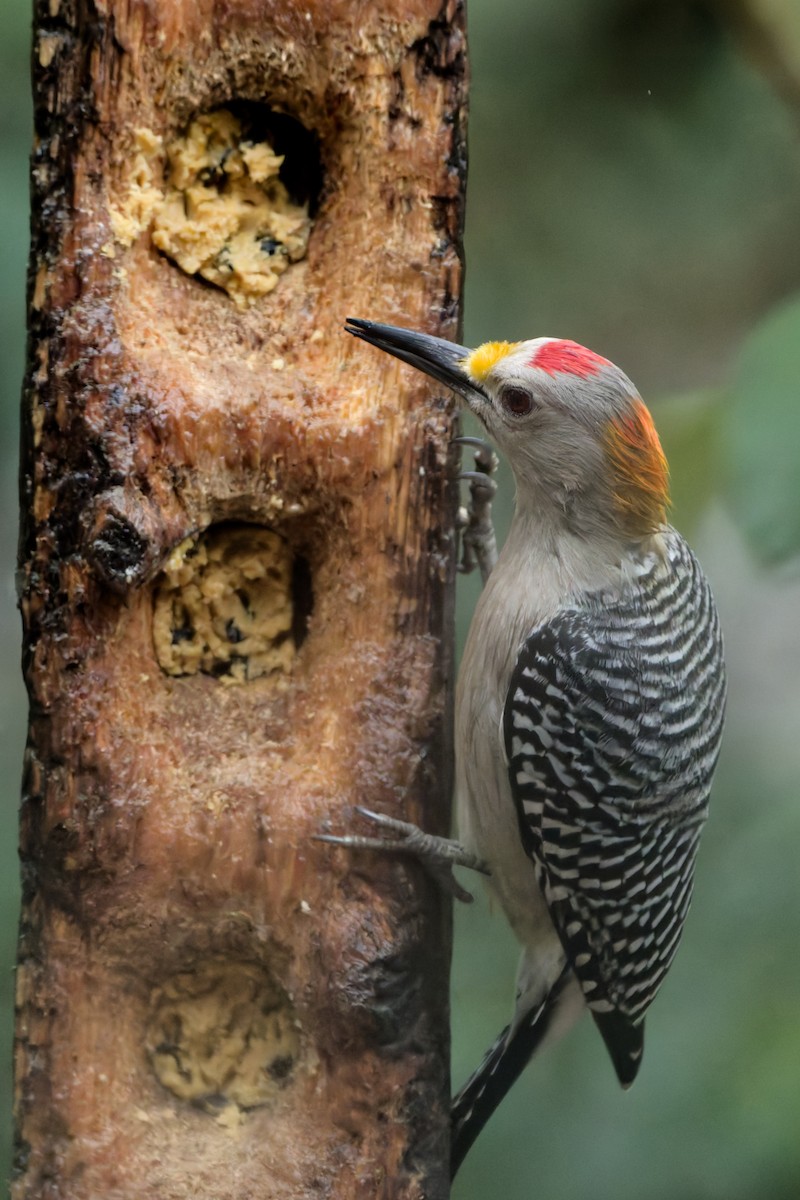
[[503, 383], [546, 403], [516, 396]]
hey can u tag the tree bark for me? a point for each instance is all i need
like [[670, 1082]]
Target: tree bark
[[237, 563]]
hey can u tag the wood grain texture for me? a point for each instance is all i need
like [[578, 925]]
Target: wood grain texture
[[167, 821]]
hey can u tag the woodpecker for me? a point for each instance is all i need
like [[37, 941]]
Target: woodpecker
[[589, 704]]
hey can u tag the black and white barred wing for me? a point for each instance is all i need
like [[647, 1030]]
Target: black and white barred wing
[[612, 727]]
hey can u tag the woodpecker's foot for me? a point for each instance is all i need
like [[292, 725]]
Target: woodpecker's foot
[[478, 542], [437, 855]]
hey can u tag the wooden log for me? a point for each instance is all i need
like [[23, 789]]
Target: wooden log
[[237, 564]]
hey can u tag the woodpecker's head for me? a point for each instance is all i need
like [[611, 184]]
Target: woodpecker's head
[[576, 433]]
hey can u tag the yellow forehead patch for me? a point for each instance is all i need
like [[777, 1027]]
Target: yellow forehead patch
[[479, 362]]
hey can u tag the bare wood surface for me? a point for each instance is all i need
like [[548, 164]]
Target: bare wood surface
[[211, 1004]]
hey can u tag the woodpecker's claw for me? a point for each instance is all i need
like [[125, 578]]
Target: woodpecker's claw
[[437, 855], [480, 483], [478, 542], [485, 457]]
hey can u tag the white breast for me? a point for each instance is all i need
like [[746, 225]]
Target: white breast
[[529, 584], [487, 819]]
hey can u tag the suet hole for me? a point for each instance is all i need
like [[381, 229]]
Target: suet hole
[[232, 602], [223, 1036], [230, 200], [301, 168]]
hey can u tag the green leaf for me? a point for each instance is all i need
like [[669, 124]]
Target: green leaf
[[761, 436]]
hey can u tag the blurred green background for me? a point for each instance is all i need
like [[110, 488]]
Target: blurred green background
[[634, 184]]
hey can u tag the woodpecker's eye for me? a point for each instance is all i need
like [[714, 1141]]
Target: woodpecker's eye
[[517, 401]]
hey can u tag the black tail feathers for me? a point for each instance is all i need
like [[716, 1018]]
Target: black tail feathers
[[502, 1065], [624, 1042]]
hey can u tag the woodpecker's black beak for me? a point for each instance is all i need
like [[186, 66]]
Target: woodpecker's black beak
[[440, 359]]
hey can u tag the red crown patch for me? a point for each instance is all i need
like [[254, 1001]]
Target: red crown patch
[[569, 358]]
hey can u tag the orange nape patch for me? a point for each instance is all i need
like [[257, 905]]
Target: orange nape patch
[[480, 361], [640, 475]]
